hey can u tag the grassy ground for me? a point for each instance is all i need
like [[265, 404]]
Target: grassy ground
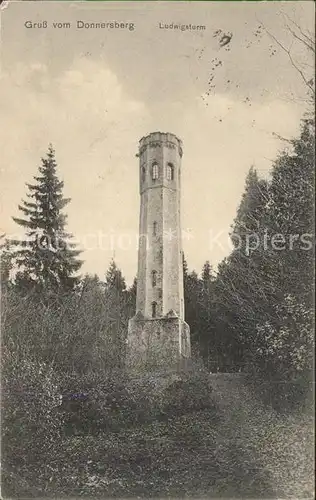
[[280, 446], [242, 451]]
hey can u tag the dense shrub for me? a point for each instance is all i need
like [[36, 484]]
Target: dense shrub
[[191, 393], [280, 362], [282, 395], [31, 427], [76, 331], [96, 403]]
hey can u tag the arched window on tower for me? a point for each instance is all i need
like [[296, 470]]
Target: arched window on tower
[[154, 309], [155, 228], [170, 172], [154, 278], [143, 174], [155, 171]]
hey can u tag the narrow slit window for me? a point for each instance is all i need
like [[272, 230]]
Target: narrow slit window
[[154, 278], [155, 171], [154, 309], [170, 172], [143, 174], [155, 228]]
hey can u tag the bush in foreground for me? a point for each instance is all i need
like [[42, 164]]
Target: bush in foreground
[[110, 404], [31, 427]]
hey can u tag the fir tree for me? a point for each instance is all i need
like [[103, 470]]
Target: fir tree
[[46, 259], [207, 278], [290, 214], [131, 299], [241, 297], [191, 302], [114, 280], [284, 340], [264, 295], [250, 213], [116, 297], [206, 329], [92, 285]]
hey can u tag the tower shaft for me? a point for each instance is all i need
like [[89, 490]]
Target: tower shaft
[[158, 334], [160, 270]]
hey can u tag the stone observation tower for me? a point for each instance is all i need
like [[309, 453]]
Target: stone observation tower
[[158, 334]]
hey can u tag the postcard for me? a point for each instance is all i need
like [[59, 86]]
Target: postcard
[[157, 175]]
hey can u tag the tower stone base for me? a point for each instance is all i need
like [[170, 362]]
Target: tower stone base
[[157, 344]]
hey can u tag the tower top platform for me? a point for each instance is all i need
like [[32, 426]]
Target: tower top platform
[[160, 137]]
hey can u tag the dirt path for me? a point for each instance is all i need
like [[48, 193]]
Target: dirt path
[[272, 453]]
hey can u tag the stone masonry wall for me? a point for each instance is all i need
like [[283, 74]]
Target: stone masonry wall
[[157, 343]]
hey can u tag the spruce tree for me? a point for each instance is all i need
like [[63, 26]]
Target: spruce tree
[[131, 299], [46, 259], [264, 295], [116, 297], [284, 342], [291, 215], [252, 205], [206, 328], [191, 303], [240, 286], [207, 278], [114, 280]]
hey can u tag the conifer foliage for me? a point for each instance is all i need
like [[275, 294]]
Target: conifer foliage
[[256, 314], [265, 287], [46, 259]]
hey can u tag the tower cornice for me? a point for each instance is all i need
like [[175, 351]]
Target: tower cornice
[[160, 139]]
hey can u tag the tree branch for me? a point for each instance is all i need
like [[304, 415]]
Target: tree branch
[[308, 42], [308, 83]]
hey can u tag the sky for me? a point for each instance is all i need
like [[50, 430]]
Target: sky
[[93, 93]]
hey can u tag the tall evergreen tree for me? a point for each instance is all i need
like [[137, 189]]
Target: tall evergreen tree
[[114, 280], [206, 328], [192, 287], [207, 282], [240, 287], [116, 297], [131, 299], [283, 344], [46, 259], [291, 215], [264, 291], [252, 206]]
